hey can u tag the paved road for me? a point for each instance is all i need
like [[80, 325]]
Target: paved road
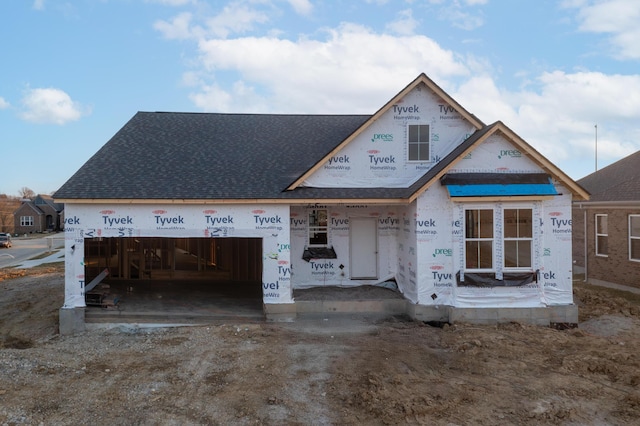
[[27, 248]]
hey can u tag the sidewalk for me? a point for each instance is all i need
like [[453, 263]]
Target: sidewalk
[[579, 276], [58, 256]]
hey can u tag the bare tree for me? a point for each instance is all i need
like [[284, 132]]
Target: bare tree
[[27, 193], [7, 206]]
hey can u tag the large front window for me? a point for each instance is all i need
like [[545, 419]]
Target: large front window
[[505, 244], [602, 235], [518, 236], [479, 239], [26, 220], [419, 142]]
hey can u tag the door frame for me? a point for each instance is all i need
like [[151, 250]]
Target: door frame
[[353, 242]]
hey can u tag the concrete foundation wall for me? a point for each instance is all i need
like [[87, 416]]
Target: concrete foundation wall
[[71, 321], [566, 314], [542, 316]]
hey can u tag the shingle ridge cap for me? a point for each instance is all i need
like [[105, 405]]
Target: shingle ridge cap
[[253, 114]]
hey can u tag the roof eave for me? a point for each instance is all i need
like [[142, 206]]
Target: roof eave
[[280, 201]]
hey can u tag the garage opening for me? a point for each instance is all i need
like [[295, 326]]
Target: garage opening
[[188, 276]]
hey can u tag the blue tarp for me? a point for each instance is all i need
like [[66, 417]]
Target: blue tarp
[[492, 190]]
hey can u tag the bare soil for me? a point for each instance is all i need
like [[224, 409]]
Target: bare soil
[[321, 372]]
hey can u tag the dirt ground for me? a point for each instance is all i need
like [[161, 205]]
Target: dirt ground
[[321, 372]]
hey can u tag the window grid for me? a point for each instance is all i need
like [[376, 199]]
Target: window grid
[[479, 239], [418, 142], [634, 237], [26, 220], [602, 234], [318, 230], [518, 238]]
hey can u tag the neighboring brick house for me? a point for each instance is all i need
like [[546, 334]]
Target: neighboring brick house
[[610, 221], [41, 214]]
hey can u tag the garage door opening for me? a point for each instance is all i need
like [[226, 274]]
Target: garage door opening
[[184, 276]]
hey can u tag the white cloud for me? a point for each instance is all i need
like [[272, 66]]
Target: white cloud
[[461, 14], [235, 18], [50, 106], [3, 103], [179, 28], [404, 24], [558, 115], [302, 7], [350, 71], [38, 4], [618, 18], [240, 93], [173, 2]]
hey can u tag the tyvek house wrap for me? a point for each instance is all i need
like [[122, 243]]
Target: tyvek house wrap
[[269, 222], [424, 250], [442, 250], [337, 272], [425, 254], [378, 156]]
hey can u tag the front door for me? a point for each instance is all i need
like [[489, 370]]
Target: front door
[[363, 247]]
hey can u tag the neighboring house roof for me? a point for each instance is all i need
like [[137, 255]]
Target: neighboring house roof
[[212, 157], [618, 182], [28, 205], [43, 199]]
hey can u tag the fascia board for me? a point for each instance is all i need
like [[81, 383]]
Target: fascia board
[[244, 201], [449, 166], [579, 192], [606, 204]]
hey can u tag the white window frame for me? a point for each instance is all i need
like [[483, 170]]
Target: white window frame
[[599, 235], [518, 239], [26, 220], [480, 239], [498, 238], [315, 229], [420, 143], [633, 237]]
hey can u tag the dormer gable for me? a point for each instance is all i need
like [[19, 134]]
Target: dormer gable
[[496, 149]]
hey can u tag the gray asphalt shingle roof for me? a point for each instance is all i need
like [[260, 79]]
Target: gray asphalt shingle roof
[[167, 155], [619, 181]]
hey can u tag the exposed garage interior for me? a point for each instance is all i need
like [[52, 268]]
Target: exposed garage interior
[[156, 278]]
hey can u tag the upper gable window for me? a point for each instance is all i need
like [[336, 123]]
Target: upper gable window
[[419, 147]]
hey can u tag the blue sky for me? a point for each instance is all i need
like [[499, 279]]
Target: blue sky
[[73, 72]]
